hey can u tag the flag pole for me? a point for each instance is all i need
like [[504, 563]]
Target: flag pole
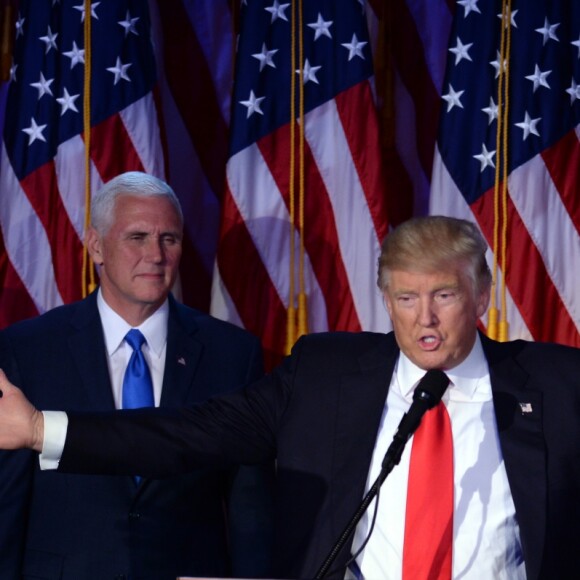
[[87, 262]]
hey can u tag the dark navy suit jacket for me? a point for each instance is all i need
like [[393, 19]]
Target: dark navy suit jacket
[[82, 527], [319, 413]]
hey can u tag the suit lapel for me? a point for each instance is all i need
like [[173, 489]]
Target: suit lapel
[[518, 411], [182, 358], [361, 403], [87, 348]]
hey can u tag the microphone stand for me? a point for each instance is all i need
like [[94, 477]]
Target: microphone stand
[[427, 394], [392, 458]]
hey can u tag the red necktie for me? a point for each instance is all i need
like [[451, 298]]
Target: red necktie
[[429, 515]]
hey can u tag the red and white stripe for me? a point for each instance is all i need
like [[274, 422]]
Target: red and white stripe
[[543, 243], [42, 216], [194, 47], [345, 220]]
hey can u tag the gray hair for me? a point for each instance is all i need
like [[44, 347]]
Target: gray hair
[[427, 244], [133, 183]]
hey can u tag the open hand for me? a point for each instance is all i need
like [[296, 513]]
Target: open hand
[[21, 425]]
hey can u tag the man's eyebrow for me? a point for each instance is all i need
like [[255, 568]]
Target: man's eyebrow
[[405, 291]]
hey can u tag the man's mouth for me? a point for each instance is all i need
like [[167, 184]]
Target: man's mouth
[[429, 342]]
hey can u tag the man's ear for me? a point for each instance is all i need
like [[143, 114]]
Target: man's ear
[[94, 246]]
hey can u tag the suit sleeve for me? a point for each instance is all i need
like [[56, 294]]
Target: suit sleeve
[[236, 428]]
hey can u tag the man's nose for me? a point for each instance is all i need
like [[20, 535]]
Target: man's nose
[[154, 251], [427, 312]]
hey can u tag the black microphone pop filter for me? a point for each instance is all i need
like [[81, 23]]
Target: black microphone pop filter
[[427, 394], [431, 387]]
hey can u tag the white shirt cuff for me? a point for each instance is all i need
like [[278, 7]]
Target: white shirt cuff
[[55, 428]]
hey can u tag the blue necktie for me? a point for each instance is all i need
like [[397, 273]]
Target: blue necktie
[[137, 383]]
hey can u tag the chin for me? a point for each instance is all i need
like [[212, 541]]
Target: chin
[[150, 298], [428, 362]]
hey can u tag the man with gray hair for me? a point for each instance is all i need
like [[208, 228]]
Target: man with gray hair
[[487, 486], [207, 522]]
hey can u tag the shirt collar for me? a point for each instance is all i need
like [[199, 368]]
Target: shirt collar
[[466, 378], [115, 327]]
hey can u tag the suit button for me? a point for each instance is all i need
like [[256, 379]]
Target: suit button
[[134, 515]]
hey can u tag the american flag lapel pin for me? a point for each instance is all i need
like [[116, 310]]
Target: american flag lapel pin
[[181, 361], [526, 408]]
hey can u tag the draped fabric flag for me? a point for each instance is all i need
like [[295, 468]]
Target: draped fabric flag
[[437, 136], [411, 51], [194, 42], [539, 251], [178, 97], [42, 173], [333, 150]]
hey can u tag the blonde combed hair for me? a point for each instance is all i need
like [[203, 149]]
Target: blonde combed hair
[[428, 244]]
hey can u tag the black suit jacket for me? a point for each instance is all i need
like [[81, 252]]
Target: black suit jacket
[[75, 526], [319, 413]]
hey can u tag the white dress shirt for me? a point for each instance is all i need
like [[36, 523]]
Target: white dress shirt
[[154, 329], [486, 539]]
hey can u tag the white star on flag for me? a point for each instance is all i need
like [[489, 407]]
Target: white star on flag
[[321, 27], [265, 57], [34, 132], [43, 86], [67, 102], [129, 24], [512, 18], [548, 31], [49, 40], [76, 55], [354, 47], [277, 10], [539, 78], [491, 111], [529, 126], [309, 72], [461, 51], [19, 26], [496, 64], [452, 98], [120, 71], [485, 158], [573, 91], [81, 9], [253, 105], [469, 6]]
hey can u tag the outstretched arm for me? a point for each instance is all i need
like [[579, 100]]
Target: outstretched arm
[[21, 424]]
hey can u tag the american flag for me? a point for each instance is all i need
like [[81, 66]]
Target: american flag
[[194, 41], [42, 173], [541, 210], [344, 198], [179, 57]]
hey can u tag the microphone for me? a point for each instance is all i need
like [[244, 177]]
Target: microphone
[[427, 394]]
